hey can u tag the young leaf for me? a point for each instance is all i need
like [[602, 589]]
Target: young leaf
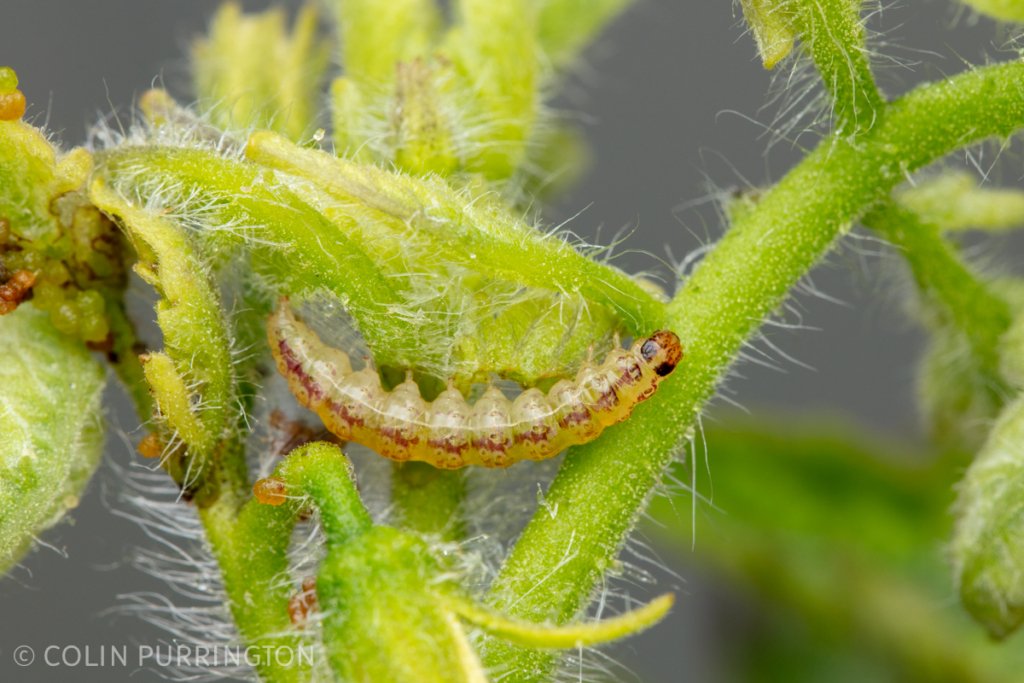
[[251, 72], [50, 436], [988, 545]]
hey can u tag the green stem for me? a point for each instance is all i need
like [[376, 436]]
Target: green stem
[[321, 471], [428, 500], [833, 33], [250, 543], [956, 294], [603, 486]]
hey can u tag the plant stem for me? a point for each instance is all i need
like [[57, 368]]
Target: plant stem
[[833, 33], [250, 543], [320, 471], [428, 500], [959, 298], [603, 486]]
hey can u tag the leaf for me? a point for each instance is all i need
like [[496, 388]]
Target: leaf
[[1003, 10], [830, 534], [988, 544], [50, 436], [771, 24], [250, 71]]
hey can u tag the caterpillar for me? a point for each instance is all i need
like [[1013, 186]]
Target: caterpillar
[[448, 432]]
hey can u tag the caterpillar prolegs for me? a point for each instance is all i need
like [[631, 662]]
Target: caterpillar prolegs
[[450, 433]]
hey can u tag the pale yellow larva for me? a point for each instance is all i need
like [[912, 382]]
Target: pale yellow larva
[[450, 433]]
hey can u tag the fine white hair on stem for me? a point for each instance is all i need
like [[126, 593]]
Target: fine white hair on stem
[[193, 612]]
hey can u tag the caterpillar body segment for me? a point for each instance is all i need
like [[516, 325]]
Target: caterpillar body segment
[[450, 433]]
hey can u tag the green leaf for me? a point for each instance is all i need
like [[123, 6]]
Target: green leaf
[[251, 72], [193, 383], [957, 201], [28, 182], [376, 36], [565, 27], [772, 26], [50, 436], [829, 533], [988, 545], [480, 235], [495, 50]]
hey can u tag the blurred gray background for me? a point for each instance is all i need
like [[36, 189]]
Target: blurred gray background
[[672, 101]]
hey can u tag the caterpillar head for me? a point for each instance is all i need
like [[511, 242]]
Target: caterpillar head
[[662, 351]]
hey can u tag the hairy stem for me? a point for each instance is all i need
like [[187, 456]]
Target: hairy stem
[[250, 543], [321, 472], [833, 33], [956, 201], [603, 486], [960, 298]]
